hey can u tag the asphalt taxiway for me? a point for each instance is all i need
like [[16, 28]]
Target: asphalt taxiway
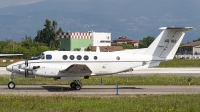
[[110, 90], [98, 90]]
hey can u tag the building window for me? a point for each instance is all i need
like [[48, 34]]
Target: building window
[[79, 57], [104, 41], [71, 57], [48, 57], [95, 57], [64, 57], [86, 57]]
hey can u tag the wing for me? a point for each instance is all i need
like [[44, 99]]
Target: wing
[[77, 69], [10, 54]]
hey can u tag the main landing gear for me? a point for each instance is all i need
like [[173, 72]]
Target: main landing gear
[[76, 84], [11, 84]]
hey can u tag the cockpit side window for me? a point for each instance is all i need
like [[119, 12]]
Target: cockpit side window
[[48, 56], [41, 56]]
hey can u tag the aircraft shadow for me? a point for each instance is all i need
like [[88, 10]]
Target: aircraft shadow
[[49, 88], [58, 88], [68, 89]]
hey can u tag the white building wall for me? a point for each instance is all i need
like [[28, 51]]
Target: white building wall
[[101, 39]]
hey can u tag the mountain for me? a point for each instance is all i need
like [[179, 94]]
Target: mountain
[[130, 18]]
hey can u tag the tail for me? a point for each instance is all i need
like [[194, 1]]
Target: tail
[[167, 42]]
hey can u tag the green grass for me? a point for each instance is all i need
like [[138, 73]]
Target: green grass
[[109, 80], [180, 63], [4, 64], [137, 103]]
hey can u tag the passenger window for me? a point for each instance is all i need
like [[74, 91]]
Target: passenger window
[[118, 58], [48, 57], [71, 57], [64, 57], [79, 57], [86, 57], [95, 57]]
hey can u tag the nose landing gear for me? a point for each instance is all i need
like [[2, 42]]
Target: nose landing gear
[[11, 84]]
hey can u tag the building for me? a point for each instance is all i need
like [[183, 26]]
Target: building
[[121, 40], [71, 41], [106, 48], [192, 48], [101, 39]]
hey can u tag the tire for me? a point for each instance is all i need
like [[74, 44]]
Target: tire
[[73, 85], [11, 85], [77, 87]]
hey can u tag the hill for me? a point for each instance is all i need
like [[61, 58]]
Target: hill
[[131, 18]]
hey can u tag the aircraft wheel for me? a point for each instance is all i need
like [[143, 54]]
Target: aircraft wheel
[[73, 85], [78, 87], [11, 85]]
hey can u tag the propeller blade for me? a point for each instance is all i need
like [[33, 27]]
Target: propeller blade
[[26, 70], [26, 62], [26, 73]]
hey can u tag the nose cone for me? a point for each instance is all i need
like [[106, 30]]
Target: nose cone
[[9, 68]]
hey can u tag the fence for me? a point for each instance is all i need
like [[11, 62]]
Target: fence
[[9, 60], [187, 56]]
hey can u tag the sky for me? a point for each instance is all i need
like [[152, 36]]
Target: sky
[[8, 3], [131, 18]]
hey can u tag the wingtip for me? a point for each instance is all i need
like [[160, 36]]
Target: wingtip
[[181, 28]]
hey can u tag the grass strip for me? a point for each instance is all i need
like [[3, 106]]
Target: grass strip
[[5, 64], [137, 103], [109, 80], [180, 63]]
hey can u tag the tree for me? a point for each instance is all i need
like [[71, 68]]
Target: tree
[[48, 35], [196, 40], [46, 39], [32, 48], [146, 42], [126, 46]]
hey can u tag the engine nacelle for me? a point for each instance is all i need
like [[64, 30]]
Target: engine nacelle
[[33, 67]]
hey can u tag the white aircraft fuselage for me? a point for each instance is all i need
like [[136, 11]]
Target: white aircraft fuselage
[[71, 65], [98, 63]]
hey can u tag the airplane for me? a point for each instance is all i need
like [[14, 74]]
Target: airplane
[[72, 65], [10, 55]]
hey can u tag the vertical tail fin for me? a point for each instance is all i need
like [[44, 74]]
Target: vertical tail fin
[[167, 42]]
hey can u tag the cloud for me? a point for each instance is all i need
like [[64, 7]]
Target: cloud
[[8, 3]]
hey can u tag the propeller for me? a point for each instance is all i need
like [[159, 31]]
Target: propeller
[[26, 69]]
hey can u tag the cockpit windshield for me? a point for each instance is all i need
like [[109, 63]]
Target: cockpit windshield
[[41, 56]]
